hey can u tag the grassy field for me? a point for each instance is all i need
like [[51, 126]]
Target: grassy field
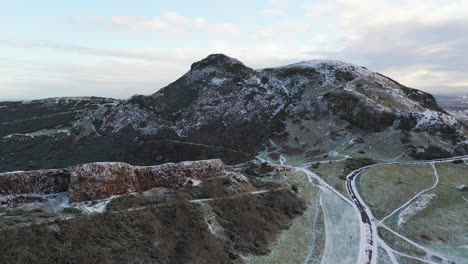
[[333, 174], [435, 219], [442, 226], [386, 187], [399, 244]]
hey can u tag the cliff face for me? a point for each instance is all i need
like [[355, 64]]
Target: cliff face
[[101, 180], [34, 182]]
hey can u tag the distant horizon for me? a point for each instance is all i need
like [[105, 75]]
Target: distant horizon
[[456, 94]]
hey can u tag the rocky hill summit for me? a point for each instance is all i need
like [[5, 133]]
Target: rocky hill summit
[[221, 109], [222, 94], [221, 162]]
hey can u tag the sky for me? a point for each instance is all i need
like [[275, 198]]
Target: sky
[[120, 48]]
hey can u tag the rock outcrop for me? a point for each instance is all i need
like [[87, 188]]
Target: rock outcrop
[[93, 181], [259, 168], [103, 179], [34, 182]]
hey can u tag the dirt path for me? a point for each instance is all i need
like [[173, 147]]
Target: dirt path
[[369, 235]]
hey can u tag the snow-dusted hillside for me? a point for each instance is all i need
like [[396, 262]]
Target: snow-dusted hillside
[[222, 89], [222, 105], [313, 162]]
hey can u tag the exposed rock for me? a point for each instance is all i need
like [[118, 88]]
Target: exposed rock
[[103, 179], [34, 182], [258, 168], [25, 200], [219, 109], [234, 178], [100, 180]]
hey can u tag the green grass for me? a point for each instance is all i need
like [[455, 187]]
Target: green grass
[[386, 187], [399, 244], [442, 225]]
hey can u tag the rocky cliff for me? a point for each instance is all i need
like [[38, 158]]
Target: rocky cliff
[[34, 182], [104, 179], [100, 180]]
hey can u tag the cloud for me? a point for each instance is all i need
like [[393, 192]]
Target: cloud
[[107, 77], [228, 29], [285, 30], [273, 12], [321, 11], [420, 43], [170, 25], [118, 73], [294, 29], [104, 72], [279, 3], [174, 56]]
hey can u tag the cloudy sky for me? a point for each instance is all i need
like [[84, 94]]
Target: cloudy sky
[[119, 48]]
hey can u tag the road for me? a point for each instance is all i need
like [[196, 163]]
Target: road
[[368, 241]]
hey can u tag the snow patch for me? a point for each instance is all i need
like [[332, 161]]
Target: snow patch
[[93, 207], [430, 117], [414, 208], [218, 81], [326, 67]]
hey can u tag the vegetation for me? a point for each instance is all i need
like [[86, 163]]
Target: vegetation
[[251, 223], [44, 152], [385, 188], [354, 164], [291, 71], [425, 99], [350, 108], [429, 153], [344, 76], [169, 230]]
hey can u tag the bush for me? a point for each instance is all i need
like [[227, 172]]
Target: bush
[[404, 139], [295, 188], [429, 153], [71, 210], [354, 164]]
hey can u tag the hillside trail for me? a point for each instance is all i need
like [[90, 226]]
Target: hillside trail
[[369, 239]]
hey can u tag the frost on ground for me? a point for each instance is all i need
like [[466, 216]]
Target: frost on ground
[[341, 229], [413, 209], [382, 257], [58, 202], [92, 207], [212, 222], [432, 117]]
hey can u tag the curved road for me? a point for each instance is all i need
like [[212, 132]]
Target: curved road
[[368, 242]]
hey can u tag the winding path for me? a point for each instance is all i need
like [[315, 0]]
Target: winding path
[[368, 241]]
